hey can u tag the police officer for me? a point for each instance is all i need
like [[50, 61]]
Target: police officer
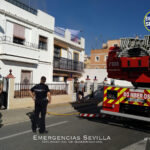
[[39, 94]]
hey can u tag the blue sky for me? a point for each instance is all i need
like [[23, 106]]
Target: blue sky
[[99, 20]]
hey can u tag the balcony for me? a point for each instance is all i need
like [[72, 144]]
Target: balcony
[[68, 65], [23, 6], [65, 35], [22, 52]]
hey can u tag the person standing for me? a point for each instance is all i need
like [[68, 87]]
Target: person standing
[[39, 94], [1, 97], [81, 91]]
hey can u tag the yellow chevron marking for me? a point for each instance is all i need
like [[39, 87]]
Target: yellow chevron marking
[[126, 102], [148, 91], [116, 89], [120, 100], [124, 89], [108, 88], [105, 98], [148, 100], [136, 103], [145, 104], [110, 101]]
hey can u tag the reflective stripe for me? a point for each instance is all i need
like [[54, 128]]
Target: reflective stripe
[[108, 88], [136, 103], [110, 101], [105, 98], [116, 89], [120, 100], [146, 104], [148, 91], [121, 92]]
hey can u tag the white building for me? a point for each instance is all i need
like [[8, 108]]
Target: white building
[[68, 55], [26, 42]]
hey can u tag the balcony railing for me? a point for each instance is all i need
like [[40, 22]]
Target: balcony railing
[[68, 64], [10, 40], [61, 32], [23, 6]]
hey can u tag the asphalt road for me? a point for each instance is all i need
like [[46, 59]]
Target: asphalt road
[[73, 133]]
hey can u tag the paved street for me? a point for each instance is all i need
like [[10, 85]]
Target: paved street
[[98, 133]]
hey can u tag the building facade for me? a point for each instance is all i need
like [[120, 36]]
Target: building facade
[[26, 42], [87, 61], [68, 55], [99, 56], [95, 65]]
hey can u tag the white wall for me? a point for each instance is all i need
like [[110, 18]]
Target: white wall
[[42, 18], [70, 52], [81, 53], [28, 35], [37, 61], [44, 70], [64, 53], [100, 75], [9, 29], [37, 70]]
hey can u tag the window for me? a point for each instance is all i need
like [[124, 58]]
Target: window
[[106, 58], [55, 79], [42, 43], [97, 59], [19, 34], [57, 50], [111, 94], [76, 56], [26, 77]]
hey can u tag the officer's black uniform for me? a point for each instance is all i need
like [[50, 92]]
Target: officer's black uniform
[[41, 102]]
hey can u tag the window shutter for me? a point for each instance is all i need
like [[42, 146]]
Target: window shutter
[[43, 39], [19, 31]]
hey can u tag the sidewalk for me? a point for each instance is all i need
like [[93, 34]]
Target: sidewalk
[[14, 116]]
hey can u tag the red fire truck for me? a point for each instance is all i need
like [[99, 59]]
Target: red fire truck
[[129, 62]]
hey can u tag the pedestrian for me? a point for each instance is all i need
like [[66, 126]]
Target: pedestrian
[[112, 82], [81, 91], [76, 84], [39, 94], [105, 81], [1, 96]]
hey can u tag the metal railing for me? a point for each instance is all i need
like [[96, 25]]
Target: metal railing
[[68, 64], [10, 39], [22, 90], [75, 39], [23, 6], [61, 32]]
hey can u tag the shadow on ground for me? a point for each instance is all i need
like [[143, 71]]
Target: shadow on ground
[[93, 108], [90, 102], [31, 117], [123, 123]]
